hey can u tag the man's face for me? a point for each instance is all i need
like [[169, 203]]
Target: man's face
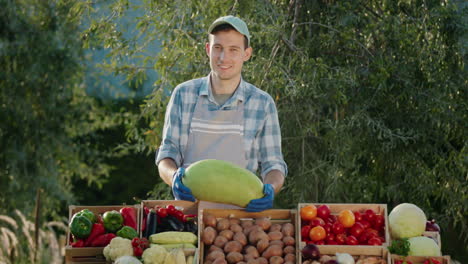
[[227, 54]]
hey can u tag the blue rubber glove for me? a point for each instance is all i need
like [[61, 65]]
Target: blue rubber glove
[[266, 202], [179, 190]]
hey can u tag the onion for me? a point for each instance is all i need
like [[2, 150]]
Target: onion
[[311, 251], [432, 226]]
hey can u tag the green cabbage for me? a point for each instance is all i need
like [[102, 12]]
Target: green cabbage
[[406, 220], [423, 246]]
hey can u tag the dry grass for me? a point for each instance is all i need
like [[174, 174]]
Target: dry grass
[[17, 244]]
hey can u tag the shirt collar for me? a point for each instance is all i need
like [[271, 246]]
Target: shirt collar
[[239, 94]]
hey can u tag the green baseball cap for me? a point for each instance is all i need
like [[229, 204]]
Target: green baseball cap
[[236, 22]]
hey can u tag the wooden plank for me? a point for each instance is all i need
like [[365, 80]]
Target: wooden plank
[[419, 259]]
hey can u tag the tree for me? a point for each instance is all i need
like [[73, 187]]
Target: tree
[[49, 126], [370, 93]]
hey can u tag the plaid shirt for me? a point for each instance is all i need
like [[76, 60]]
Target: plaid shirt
[[262, 134]]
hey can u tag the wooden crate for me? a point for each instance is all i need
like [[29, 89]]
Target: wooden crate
[[355, 251], [336, 208], [276, 216], [419, 259], [91, 255]]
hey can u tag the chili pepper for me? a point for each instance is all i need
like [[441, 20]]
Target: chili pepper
[[127, 232], [129, 217], [113, 221], [102, 240], [90, 215], [80, 226], [97, 230], [78, 243]]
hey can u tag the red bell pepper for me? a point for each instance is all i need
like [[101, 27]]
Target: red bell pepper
[[78, 243], [145, 216], [97, 230], [102, 240], [129, 216]]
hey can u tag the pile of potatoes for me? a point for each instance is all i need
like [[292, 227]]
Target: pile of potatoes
[[247, 241]]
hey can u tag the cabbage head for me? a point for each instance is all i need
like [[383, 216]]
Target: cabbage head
[[406, 220], [423, 246]]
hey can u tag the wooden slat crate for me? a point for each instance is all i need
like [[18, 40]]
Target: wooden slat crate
[[91, 255]]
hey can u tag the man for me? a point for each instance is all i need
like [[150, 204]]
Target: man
[[223, 117]]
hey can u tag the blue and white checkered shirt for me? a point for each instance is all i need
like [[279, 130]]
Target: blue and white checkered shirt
[[262, 134]]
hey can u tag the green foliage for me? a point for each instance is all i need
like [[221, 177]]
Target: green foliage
[[48, 123]]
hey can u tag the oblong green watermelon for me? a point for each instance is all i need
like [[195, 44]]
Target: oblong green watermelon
[[222, 182]]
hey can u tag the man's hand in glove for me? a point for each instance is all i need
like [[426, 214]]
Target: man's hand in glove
[[266, 202], [179, 190]]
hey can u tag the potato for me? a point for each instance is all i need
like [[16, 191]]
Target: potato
[[262, 244], [219, 261], [233, 220], [214, 255], [236, 228], [220, 241], [262, 260], [290, 257], [275, 227], [275, 235], [276, 260], [227, 234], [246, 223], [234, 257], [208, 262], [289, 241], [277, 242], [288, 229], [252, 261], [214, 248], [289, 250], [232, 246], [209, 220], [264, 222], [240, 237], [251, 250], [248, 257], [241, 262], [222, 224], [209, 235], [257, 235], [271, 251], [251, 228], [289, 262]]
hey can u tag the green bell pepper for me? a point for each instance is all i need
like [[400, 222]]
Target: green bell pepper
[[112, 220], [127, 232], [80, 226], [90, 215]]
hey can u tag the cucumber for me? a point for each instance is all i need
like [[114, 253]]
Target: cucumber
[[222, 182]]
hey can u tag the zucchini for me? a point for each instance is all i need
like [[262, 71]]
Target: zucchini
[[173, 237], [222, 182]]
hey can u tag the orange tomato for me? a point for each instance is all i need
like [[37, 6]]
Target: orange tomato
[[346, 218], [308, 212], [317, 233]]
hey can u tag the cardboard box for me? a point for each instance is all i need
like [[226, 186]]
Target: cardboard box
[[335, 209], [90, 255], [419, 259], [276, 216]]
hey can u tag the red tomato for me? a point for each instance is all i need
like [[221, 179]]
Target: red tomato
[[330, 237], [320, 242], [363, 238], [356, 230], [379, 222], [331, 219], [346, 217], [305, 232], [323, 211], [328, 227], [171, 210], [369, 215], [179, 215], [308, 212], [365, 224], [317, 221], [357, 216], [317, 233], [338, 228], [370, 232], [162, 212], [332, 242], [351, 240], [374, 241], [340, 238]]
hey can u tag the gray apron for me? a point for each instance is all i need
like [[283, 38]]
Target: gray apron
[[216, 135]]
